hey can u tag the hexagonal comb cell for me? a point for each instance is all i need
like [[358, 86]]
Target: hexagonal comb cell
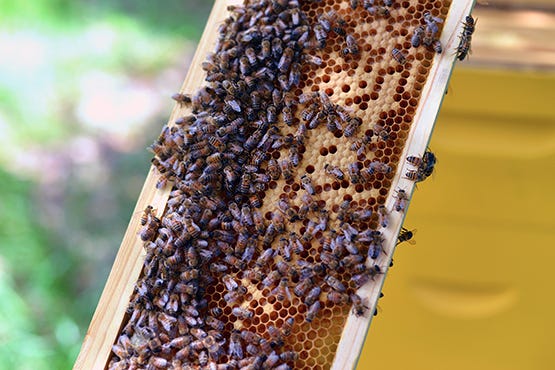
[[279, 175]]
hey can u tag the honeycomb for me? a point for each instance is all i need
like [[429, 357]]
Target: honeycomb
[[279, 182]]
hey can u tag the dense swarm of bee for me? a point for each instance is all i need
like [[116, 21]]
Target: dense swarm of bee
[[279, 178]]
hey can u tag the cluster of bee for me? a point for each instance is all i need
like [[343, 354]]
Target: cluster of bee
[[221, 159], [424, 166], [427, 34]]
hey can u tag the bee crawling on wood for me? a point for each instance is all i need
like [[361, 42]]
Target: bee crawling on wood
[[463, 49]]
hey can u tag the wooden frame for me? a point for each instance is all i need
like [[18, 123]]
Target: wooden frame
[[110, 312]]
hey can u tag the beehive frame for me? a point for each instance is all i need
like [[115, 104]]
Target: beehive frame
[[110, 312]]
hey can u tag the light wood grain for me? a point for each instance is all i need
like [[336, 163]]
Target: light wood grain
[[356, 328]]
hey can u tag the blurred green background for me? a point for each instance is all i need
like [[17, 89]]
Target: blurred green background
[[84, 88]]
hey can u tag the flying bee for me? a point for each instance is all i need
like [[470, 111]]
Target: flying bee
[[306, 183], [416, 38], [359, 307], [313, 311], [406, 236], [182, 98], [401, 202], [399, 56]]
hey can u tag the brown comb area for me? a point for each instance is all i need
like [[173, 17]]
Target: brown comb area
[[370, 84]]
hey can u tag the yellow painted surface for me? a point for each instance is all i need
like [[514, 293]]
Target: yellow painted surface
[[477, 290]]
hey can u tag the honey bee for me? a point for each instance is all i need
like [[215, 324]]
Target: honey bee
[[306, 183], [214, 323], [352, 127], [431, 23], [401, 202], [334, 283], [375, 248], [182, 98], [285, 60], [147, 214], [416, 38], [273, 169], [265, 257], [351, 44], [286, 169], [383, 215], [253, 274], [271, 279], [149, 230], [406, 236], [466, 37], [303, 285], [282, 291], [310, 232], [230, 282], [235, 349], [236, 296], [359, 308], [285, 249], [242, 313], [338, 298], [312, 295], [313, 311], [289, 356], [354, 4], [354, 172], [159, 362], [399, 56], [321, 35]]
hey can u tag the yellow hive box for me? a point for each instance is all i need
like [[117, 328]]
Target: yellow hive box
[[473, 293]]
